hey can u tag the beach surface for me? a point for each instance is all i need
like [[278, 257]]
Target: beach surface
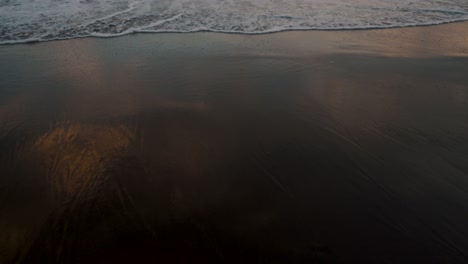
[[293, 147]]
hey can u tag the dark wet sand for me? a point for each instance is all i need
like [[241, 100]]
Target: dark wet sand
[[296, 147]]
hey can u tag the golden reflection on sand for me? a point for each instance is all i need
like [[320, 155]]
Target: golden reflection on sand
[[81, 63], [352, 103], [446, 40], [74, 157], [413, 42], [98, 92]]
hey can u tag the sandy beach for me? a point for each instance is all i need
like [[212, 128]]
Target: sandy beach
[[292, 147]]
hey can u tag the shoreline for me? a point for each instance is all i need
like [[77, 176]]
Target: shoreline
[[439, 40], [136, 32]]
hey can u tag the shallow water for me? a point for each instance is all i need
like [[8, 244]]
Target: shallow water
[[220, 148], [28, 21]]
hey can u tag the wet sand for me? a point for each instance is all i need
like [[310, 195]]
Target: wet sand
[[295, 147]]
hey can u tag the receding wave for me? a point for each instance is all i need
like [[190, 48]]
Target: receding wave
[[27, 21]]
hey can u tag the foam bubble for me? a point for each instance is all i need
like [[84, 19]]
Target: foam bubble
[[31, 20]]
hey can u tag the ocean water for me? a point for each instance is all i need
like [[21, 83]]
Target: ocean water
[[40, 20]]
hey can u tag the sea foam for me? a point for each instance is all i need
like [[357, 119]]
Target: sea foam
[[40, 20]]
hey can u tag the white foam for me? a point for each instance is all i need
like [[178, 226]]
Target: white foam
[[40, 20]]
